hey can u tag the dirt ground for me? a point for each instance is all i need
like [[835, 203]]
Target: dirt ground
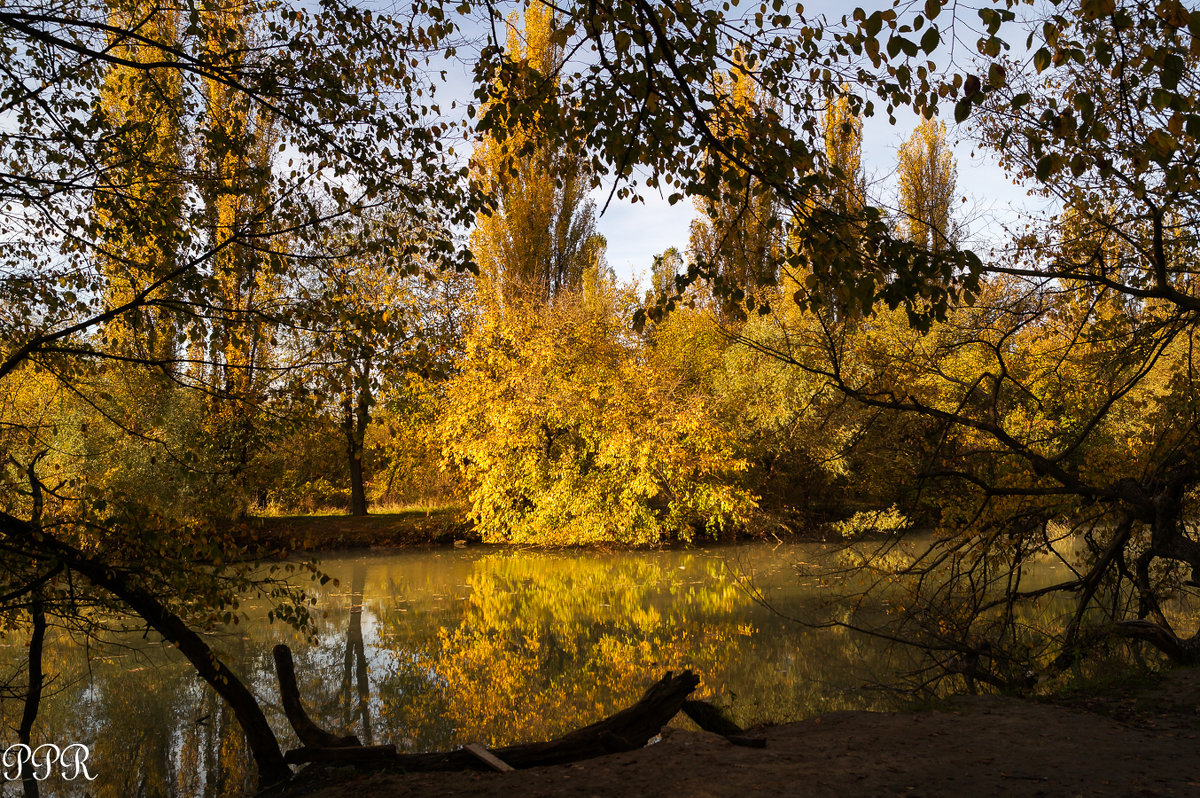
[[1125, 743]]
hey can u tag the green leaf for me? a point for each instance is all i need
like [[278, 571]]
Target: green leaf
[[1045, 166], [931, 39], [1041, 60], [1163, 145], [1172, 70]]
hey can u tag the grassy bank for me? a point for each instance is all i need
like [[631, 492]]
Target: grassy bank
[[424, 526]]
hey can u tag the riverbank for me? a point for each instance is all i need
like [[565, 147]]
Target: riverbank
[[287, 534], [1120, 742], [440, 526]]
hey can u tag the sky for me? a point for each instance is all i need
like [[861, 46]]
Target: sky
[[636, 233]]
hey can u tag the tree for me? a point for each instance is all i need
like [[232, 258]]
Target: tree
[[78, 187], [539, 234], [388, 324], [567, 432], [927, 182], [1062, 400], [1100, 126], [737, 239], [842, 129], [666, 267], [138, 219], [646, 111]]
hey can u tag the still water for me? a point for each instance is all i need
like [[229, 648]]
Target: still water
[[436, 648]]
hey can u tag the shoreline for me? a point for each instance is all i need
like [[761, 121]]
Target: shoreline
[[1112, 741], [288, 535]]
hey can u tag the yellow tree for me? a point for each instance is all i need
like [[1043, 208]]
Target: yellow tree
[[843, 150], [927, 181], [138, 216], [738, 235], [239, 140], [845, 196], [540, 231], [568, 431]]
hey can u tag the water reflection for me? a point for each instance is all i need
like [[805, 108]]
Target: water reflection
[[438, 648]]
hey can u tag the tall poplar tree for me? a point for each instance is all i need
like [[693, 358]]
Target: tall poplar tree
[[738, 236], [539, 236], [138, 214], [928, 178], [239, 140], [842, 129]]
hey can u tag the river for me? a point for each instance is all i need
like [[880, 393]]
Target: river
[[436, 648]]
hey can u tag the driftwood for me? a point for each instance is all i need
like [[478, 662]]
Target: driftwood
[[488, 758], [312, 735], [627, 730], [712, 719]]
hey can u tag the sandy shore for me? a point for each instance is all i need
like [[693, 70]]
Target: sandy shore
[[1124, 743]]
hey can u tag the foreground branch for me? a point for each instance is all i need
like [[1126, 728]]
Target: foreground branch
[[261, 739]]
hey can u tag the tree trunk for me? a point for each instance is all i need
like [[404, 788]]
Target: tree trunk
[[356, 417], [354, 671], [33, 695], [627, 730], [309, 732]]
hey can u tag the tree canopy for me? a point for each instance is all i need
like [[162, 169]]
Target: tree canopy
[[211, 212]]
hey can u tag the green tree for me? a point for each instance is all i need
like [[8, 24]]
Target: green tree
[[664, 270], [647, 111]]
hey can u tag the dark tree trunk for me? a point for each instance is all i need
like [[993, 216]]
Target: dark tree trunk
[[354, 673], [356, 417], [33, 696], [309, 732], [627, 730]]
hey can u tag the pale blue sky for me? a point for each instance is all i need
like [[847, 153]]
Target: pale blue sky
[[636, 233]]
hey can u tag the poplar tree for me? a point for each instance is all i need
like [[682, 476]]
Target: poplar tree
[[738, 236], [137, 217], [928, 178], [239, 140], [842, 130], [539, 235]]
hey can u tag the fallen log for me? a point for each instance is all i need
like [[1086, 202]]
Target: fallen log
[[364, 755], [627, 730], [488, 758], [712, 719]]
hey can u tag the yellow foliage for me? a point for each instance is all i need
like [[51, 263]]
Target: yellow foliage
[[927, 178], [569, 433]]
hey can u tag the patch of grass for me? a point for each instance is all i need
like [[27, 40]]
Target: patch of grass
[[419, 508], [410, 525]]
